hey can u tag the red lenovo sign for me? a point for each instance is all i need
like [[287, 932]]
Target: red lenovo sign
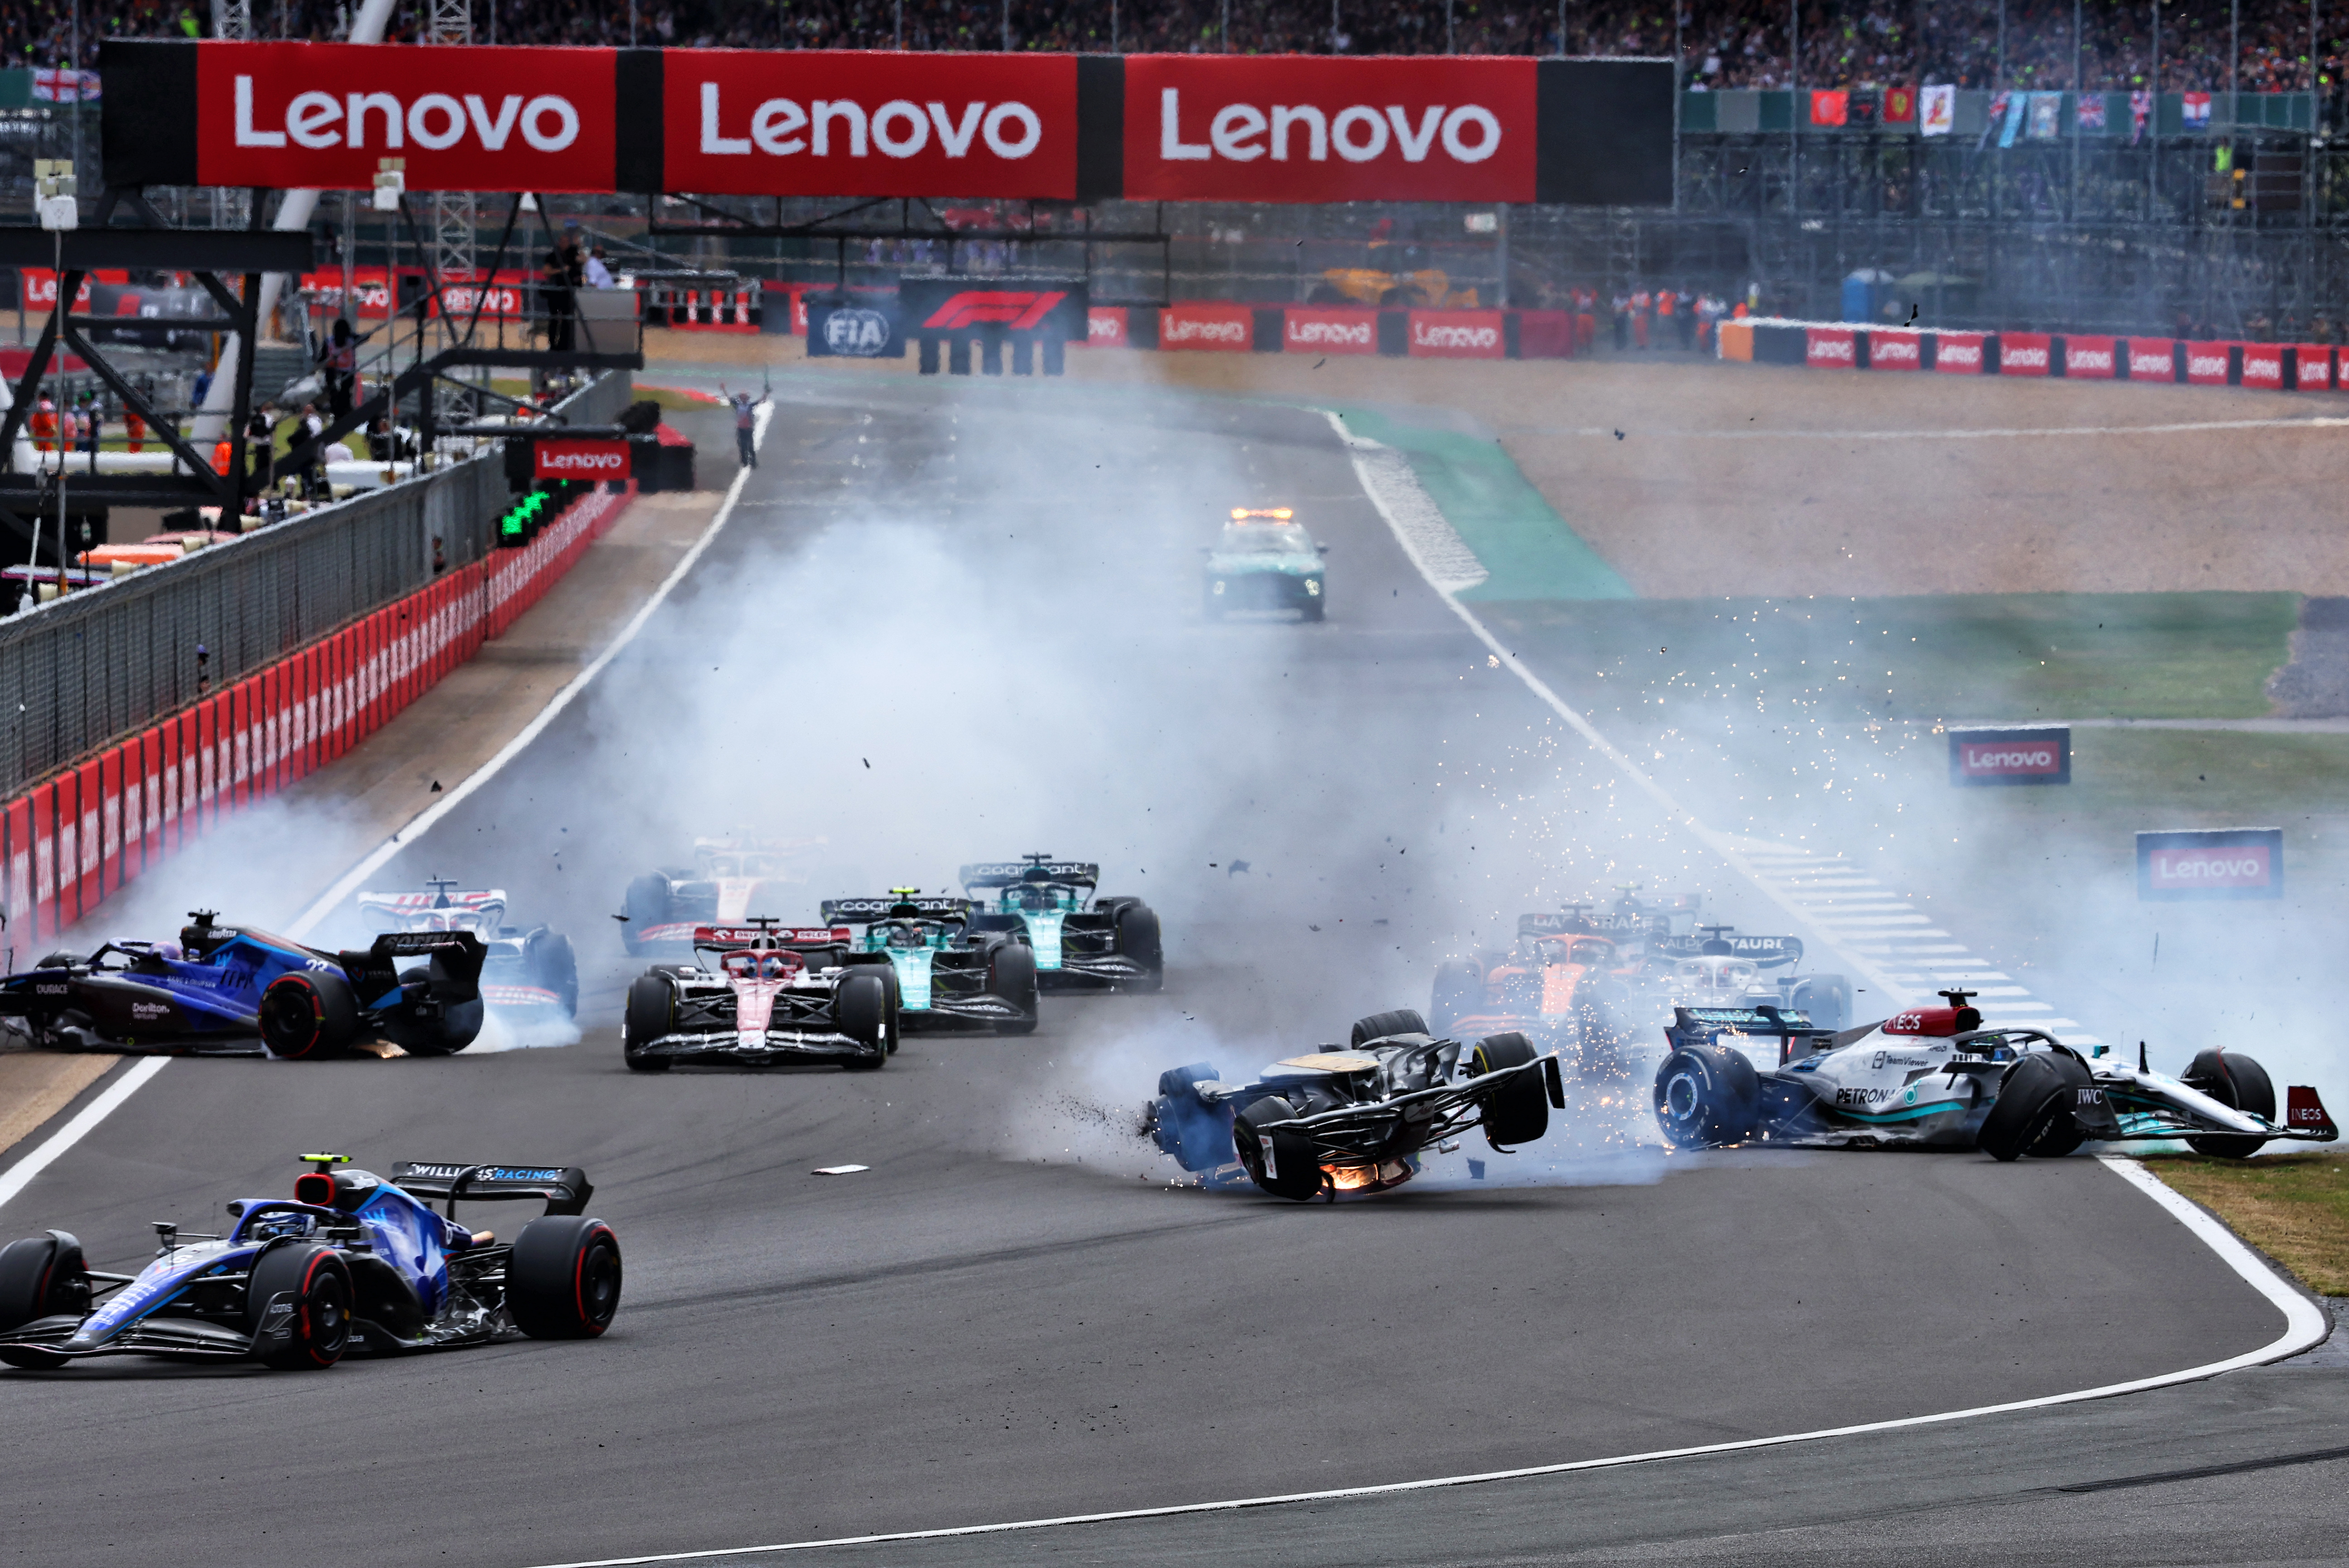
[[836, 123], [580, 459], [324, 115], [2010, 756], [1455, 334], [1314, 329], [1303, 128], [2227, 863]]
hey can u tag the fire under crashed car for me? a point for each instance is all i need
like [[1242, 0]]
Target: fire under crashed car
[[351, 1261], [525, 969], [234, 990], [1356, 1120], [1934, 1077], [773, 993], [1263, 561], [730, 878], [1079, 941], [947, 975]]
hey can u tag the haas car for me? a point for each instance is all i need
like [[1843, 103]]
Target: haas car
[[1079, 941], [350, 1261], [947, 975], [1934, 1077], [731, 878], [1355, 1119], [525, 970], [771, 993], [232, 989]]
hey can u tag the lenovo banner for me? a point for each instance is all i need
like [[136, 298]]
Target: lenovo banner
[[1958, 353], [2088, 358], [584, 459], [2010, 756], [1316, 329], [1203, 324], [1457, 335], [1896, 350], [802, 122], [2227, 863]]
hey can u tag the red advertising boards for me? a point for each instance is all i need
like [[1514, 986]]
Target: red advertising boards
[[2264, 366], [1958, 353], [2031, 756], [1105, 327], [2152, 358], [1309, 329], [1203, 324], [2206, 364], [2224, 863], [2023, 353], [799, 122], [2089, 358], [1457, 335], [1306, 128], [2312, 368], [1829, 349], [322, 114], [586, 459], [1896, 350]]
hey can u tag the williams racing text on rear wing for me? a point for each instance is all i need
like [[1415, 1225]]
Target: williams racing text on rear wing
[[565, 1189]]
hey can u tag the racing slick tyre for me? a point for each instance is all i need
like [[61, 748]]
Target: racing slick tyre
[[308, 1014], [1011, 975], [2032, 1113], [1519, 1113], [1282, 1163], [646, 903], [1379, 1025], [1707, 1097], [457, 1026], [548, 963], [860, 1005], [1459, 993], [1138, 939], [2238, 1083], [40, 1277], [651, 1007], [297, 1307], [562, 1281]]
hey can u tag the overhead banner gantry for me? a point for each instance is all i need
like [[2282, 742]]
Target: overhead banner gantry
[[851, 123]]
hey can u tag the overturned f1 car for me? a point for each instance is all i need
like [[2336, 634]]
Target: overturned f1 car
[[948, 976], [1356, 1120], [232, 989], [1079, 940], [524, 969], [350, 1258], [1934, 1076], [775, 995]]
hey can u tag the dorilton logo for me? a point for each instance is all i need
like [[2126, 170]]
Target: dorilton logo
[[1020, 310]]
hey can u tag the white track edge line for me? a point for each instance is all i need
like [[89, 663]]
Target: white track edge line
[[20, 1175], [2305, 1326], [426, 820]]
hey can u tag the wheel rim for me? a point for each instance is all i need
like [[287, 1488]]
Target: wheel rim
[[1680, 1099], [290, 1018], [327, 1317], [599, 1284]]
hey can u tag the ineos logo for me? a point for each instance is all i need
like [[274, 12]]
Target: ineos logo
[[1242, 132], [435, 122], [862, 333], [783, 128]]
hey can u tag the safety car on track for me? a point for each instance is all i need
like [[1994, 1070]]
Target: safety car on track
[[1079, 940], [525, 970], [235, 991], [1934, 1076], [731, 879], [1264, 560], [947, 975], [1356, 1118], [350, 1261], [772, 994]]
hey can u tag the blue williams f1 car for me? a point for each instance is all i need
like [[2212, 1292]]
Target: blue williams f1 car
[[233, 991], [1079, 941], [349, 1259], [947, 975]]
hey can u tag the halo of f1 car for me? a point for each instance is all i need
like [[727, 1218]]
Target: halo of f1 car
[[350, 1261], [1934, 1077], [1357, 1118]]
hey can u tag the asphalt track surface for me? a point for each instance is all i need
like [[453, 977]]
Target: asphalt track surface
[[955, 622]]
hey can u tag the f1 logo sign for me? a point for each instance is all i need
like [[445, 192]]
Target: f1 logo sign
[[1021, 310]]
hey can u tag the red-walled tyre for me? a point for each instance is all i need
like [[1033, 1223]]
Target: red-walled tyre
[[563, 1279], [308, 1014], [297, 1307]]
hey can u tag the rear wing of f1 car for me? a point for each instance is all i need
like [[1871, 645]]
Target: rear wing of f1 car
[[1584, 921], [1794, 1031], [565, 1189], [1765, 952], [770, 936], [865, 911], [1010, 873], [458, 955]]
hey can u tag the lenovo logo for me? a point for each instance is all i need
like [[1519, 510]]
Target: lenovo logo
[[2089, 361], [1996, 759], [435, 120], [1958, 356], [2242, 866], [1357, 133], [1836, 349], [2022, 358], [2224, 863], [2151, 365], [581, 459], [1430, 336], [1192, 329], [1020, 310], [1886, 352], [825, 128], [2206, 365], [1333, 334], [2010, 757]]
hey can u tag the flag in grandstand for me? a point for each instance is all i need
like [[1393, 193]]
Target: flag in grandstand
[[2198, 111], [1937, 108], [2140, 109], [1899, 104], [63, 86], [2046, 116], [1830, 108], [2091, 115]]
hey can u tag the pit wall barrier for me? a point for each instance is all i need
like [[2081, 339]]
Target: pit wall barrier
[[2080, 357], [79, 836]]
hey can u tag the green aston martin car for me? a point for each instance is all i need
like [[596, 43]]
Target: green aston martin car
[[1264, 560]]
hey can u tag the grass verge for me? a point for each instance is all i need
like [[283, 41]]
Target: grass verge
[[2294, 1207]]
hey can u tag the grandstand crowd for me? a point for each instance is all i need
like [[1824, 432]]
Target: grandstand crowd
[[1723, 43]]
